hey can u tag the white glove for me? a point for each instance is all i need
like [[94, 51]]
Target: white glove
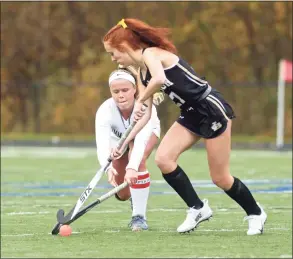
[[158, 98]]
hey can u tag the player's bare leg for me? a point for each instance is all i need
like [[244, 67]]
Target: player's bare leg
[[120, 165], [166, 158], [218, 151]]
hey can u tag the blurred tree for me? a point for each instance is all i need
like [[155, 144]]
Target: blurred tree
[[51, 49]]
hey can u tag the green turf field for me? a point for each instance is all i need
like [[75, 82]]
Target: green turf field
[[36, 182]]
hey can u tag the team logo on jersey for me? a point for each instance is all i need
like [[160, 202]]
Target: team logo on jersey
[[166, 84], [216, 125]]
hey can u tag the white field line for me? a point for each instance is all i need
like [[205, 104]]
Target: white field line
[[64, 195], [162, 231], [15, 204], [17, 235], [230, 211], [35, 206], [27, 213], [45, 152], [260, 154], [227, 230], [65, 152], [209, 183], [200, 183]]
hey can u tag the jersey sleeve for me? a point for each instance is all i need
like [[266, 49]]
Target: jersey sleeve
[[140, 143], [103, 134]]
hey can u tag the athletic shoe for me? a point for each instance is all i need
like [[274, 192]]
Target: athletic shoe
[[256, 222], [138, 223], [194, 217]]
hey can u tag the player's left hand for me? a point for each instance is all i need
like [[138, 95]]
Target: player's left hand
[[131, 176]]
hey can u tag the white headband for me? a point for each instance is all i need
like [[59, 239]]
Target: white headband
[[121, 75]]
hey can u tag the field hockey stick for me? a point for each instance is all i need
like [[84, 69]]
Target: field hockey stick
[[104, 197], [98, 201], [86, 193]]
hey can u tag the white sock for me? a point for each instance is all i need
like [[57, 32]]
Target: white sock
[[140, 193]]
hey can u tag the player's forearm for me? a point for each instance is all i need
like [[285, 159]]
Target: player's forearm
[[139, 126], [153, 87], [139, 146], [136, 156]]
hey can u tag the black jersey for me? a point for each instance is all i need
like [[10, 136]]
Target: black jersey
[[182, 85]]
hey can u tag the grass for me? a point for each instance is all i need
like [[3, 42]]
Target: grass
[[36, 182], [84, 137], [45, 136]]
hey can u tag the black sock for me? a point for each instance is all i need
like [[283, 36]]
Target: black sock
[[180, 182], [241, 194]]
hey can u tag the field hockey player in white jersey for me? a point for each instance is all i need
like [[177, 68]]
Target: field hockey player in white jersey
[[112, 119]]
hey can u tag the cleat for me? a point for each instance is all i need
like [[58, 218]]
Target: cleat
[[256, 223], [138, 223], [194, 217]]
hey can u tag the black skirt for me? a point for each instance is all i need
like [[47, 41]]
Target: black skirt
[[207, 118]]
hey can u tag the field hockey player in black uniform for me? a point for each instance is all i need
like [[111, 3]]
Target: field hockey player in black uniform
[[204, 114]]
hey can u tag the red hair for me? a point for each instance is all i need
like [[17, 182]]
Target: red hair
[[139, 34]]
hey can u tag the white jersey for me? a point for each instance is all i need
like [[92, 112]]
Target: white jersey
[[109, 127]]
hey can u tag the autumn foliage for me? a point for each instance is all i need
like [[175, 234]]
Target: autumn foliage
[[54, 69]]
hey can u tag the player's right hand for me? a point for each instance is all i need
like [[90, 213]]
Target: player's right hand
[[111, 172], [131, 176]]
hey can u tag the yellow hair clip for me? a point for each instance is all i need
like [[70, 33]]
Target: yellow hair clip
[[122, 23]]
